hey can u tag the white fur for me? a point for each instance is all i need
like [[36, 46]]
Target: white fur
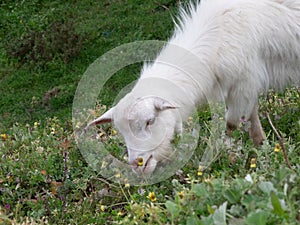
[[234, 49]]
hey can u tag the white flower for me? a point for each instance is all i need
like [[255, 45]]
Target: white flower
[[249, 178]]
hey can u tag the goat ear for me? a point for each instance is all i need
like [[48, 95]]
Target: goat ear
[[105, 118], [161, 104]]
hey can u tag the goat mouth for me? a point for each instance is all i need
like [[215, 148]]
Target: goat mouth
[[147, 162], [143, 169]]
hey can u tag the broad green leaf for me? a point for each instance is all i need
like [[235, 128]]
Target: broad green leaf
[[172, 208], [249, 201], [193, 220], [219, 216], [200, 190], [276, 204], [236, 210], [207, 220], [233, 195], [236, 221], [266, 187], [258, 217]]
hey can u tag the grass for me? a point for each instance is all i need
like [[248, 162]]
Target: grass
[[44, 179], [27, 78]]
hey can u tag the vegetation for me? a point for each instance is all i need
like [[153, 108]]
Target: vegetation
[[45, 47]]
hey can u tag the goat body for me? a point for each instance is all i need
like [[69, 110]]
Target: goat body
[[232, 50]]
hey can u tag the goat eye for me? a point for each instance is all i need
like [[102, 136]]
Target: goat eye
[[150, 122]]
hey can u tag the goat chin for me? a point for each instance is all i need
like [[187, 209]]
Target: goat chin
[[161, 155]]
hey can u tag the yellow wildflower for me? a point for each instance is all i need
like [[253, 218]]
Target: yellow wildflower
[[3, 136], [151, 196], [120, 213], [140, 161], [113, 132], [181, 194], [102, 208], [253, 163], [200, 169], [277, 148], [127, 185], [117, 175]]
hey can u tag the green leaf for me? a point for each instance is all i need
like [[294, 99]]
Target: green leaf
[[207, 220], [258, 217], [210, 209], [266, 187], [173, 208], [233, 195], [236, 221], [249, 201], [219, 216], [193, 220], [276, 204], [200, 190]]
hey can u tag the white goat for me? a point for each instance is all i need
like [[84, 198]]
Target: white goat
[[236, 49]]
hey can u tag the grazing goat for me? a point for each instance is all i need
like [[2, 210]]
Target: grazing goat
[[234, 49]]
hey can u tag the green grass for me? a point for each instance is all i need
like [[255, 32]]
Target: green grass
[[100, 26], [45, 180]]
